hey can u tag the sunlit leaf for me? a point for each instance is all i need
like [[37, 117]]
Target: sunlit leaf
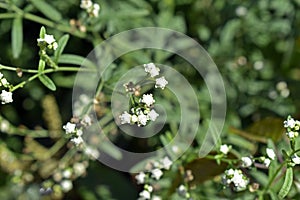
[[47, 82], [17, 36], [287, 184], [47, 9]]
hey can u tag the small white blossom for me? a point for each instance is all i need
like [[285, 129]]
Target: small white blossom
[[142, 119], [267, 162], [95, 10], [140, 178], [270, 153], [125, 118], [161, 82], [296, 159], [292, 134], [70, 128], [66, 185], [6, 97], [166, 163], [77, 140], [154, 197], [67, 173], [241, 11], [79, 169], [153, 115], [156, 174], [94, 153], [246, 161], [134, 118], [148, 99], [151, 69], [50, 40], [145, 195], [86, 4], [289, 123], [182, 190], [225, 149]]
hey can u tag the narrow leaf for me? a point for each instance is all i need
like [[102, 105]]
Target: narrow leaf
[[62, 42], [287, 184], [47, 82], [41, 65], [47, 9], [42, 32], [76, 60], [17, 36]]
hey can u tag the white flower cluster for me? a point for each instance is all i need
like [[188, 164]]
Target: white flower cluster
[[141, 114], [153, 71], [292, 126], [270, 156], [5, 96], [155, 173], [74, 132], [91, 8], [236, 178], [49, 40]]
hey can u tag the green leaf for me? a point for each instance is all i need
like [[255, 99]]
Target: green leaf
[[17, 36], [273, 195], [287, 184], [76, 60], [41, 65], [47, 82], [42, 32], [62, 42], [47, 9]]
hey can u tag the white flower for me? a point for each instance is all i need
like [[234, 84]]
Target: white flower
[[156, 174], [140, 178], [153, 115], [77, 140], [161, 82], [67, 173], [151, 69], [79, 169], [70, 128], [125, 118], [225, 149], [292, 134], [1, 75], [49, 39], [295, 159], [289, 123], [145, 194], [142, 119], [6, 97], [235, 176], [148, 99], [134, 118], [182, 190], [95, 10], [166, 163], [246, 161], [270, 153], [86, 4], [267, 162], [4, 82], [66, 185]]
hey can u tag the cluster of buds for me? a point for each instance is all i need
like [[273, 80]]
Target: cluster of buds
[[91, 8], [155, 172], [48, 41], [292, 126], [235, 178], [141, 110], [5, 96]]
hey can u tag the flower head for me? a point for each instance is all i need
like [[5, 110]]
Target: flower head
[[6, 97], [246, 161], [270, 153], [225, 149], [148, 99], [77, 140], [125, 118], [156, 173], [151, 69], [70, 128], [161, 82], [153, 115], [140, 178], [237, 178], [166, 163]]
